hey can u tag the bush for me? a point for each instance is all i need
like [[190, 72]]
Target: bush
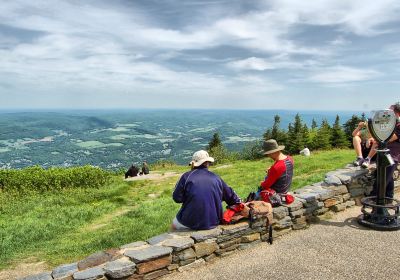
[[222, 155], [38, 179], [252, 151], [162, 164]]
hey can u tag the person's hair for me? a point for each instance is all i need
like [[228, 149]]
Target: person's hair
[[396, 107]]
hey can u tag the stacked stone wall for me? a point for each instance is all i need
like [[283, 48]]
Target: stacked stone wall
[[180, 251]]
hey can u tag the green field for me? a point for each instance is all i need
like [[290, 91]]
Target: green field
[[66, 225]]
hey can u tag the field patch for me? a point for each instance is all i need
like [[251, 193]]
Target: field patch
[[97, 144]]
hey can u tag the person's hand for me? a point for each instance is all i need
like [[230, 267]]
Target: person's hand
[[361, 125]]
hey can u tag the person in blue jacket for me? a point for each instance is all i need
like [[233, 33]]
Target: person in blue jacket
[[201, 193]]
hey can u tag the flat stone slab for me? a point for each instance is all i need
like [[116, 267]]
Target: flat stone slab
[[149, 253], [228, 229], [295, 205], [134, 245], [89, 274], [64, 270], [280, 212], [205, 248], [159, 238], [41, 276], [179, 243], [153, 265], [309, 196], [332, 180], [120, 268], [98, 258], [202, 235]]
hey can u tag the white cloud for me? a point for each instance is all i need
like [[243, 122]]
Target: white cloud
[[251, 63], [340, 41], [343, 74], [111, 48], [361, 17]]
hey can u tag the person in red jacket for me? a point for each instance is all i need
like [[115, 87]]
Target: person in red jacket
[[279, 175]]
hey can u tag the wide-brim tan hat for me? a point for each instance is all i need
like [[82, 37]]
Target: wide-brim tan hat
[[200, 157], [271, 146]]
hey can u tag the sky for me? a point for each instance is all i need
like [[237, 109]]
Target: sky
[[272, 54]]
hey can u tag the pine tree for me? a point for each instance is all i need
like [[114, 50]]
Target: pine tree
[[323, 137], [214, 142], [276, 133], [349, 126], [314, 124], [338, 139], [296, 140]]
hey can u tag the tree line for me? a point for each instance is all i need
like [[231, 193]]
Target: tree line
[[296, 137]]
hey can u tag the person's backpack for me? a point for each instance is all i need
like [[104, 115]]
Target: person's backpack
[[252, 210], [272, 197], [276, 199]]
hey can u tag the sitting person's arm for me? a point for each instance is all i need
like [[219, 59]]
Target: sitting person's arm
[[179, 193], [357, 130], [229, 195], [274, 173]]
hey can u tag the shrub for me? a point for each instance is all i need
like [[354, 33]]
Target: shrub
[[36, 178], [252, 151]]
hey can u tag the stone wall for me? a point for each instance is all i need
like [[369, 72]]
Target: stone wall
[[179, 251]]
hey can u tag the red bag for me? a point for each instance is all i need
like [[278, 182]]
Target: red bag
[[288, 198], [231, 211], [271, 196]]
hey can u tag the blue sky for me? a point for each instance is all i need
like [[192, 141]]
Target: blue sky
[[278, 54]]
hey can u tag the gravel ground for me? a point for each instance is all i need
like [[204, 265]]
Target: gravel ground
[[337, 248]]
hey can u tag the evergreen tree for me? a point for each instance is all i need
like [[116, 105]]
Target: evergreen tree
[[314, 124], [349, 126], [217, 150], [296, 133], [214, 142], [276, 133], [306, 134], [312, 134], [323, 136], [339, 139]]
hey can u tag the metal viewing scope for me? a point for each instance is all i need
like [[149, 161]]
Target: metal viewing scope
[[381, 212]]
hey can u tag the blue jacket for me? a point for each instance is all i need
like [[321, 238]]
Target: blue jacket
[[201, 193]]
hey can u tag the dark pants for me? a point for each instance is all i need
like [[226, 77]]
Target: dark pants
[[389, 182]]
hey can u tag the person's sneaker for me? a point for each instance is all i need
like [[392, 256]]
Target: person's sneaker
[[358, 161], [365, 163]]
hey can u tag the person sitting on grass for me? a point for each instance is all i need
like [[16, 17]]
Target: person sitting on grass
[[145, 169], [201, 193], [133, 171]]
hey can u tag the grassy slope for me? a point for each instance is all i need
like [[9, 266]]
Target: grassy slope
[[66, 226]]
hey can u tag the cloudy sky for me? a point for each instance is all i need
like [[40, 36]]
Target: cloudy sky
[[271, 54]]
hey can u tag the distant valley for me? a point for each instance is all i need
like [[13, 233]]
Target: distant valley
[[115, 139]]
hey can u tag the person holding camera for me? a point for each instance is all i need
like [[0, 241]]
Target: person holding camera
[[362, 143]]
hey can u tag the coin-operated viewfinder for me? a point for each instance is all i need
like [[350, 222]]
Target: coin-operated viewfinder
[[380, 212]]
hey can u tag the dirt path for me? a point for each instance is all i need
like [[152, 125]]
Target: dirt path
[[26, 267], [153, 176]]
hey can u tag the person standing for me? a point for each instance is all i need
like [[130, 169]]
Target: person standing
[[201, 193]]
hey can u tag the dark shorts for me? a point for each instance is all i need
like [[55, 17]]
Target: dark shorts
[[365, 150]]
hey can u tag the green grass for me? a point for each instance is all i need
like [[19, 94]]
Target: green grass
[[67, 225]]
